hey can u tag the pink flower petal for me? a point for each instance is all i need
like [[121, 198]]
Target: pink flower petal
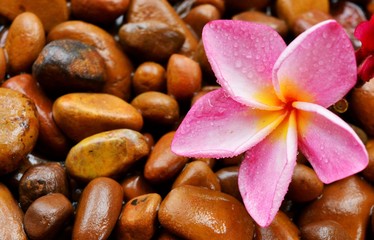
[[365, 32], [330, 144], [319, 66], [217, 126], [242, 55], [266, 172]]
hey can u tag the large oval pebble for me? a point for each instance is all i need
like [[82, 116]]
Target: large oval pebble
[[106, 154], [19, 128], [81, 115], [198, 213]]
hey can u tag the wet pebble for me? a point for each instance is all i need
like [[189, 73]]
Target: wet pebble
[[228, 178], [134, 186], [98, 209], [19, 129], [25, 40], [198, 213], [40, 180], [157, 107], [151, 40], [106, 154], [162, 164], [80, 115], [138, 220], [348, 202], [47, 215], [67, 65], [198, 173], [325, 229], [201, 15]]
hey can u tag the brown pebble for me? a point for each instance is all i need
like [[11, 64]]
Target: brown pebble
[[67, 65], [305, 185], [228, 178], [151, 40], [219, 4], [198, 173], [51, 141], [289, 10], [3, 64], [134, 186], [280, 228], [47, 215], [277, 24], [201, 15], [209, 161], [325, 229], [236, 6], [106, 154], [149, 76], [40, 180], [99, 11], [183, 77], [347, 201], [198, 213], [118, 65], [308, 19], [25, 40], [166, 235], [163, 164], [11, 220], [202, 59], [80, 115], [138, 219], [368, 172], [157, 107], [98, 209], [361, 104], [162, 11], [50, 12], [19, 129]]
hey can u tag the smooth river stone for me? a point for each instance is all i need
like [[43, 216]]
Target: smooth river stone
[[80, 115], [348, 202], [98, 209], [197, 213], [106, 154]]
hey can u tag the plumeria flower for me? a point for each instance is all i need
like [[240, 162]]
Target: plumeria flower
[[365, 55], [272, 103]]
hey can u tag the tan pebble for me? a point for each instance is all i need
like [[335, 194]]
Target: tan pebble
[[361, 103], [201, 15], [50, 12], [277, 24], [118, 65], [19, 129], [309, 19], [99, 11], [281, 228], [228, 178], [40, 180], [138, 219], [151, 40], [51, 141], [197, 213], [157, 107], [98, 209], [161, 10], [183, 77], [368, 172], [149, 76], [198, 173], [25, 40], [134, 186], [3, 64], [106, 154], [305, 184], [289, 10], [47, 215], [67, 65], [80, 115], [325, 229], [11, 220], [347, 201], [162, 164]]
